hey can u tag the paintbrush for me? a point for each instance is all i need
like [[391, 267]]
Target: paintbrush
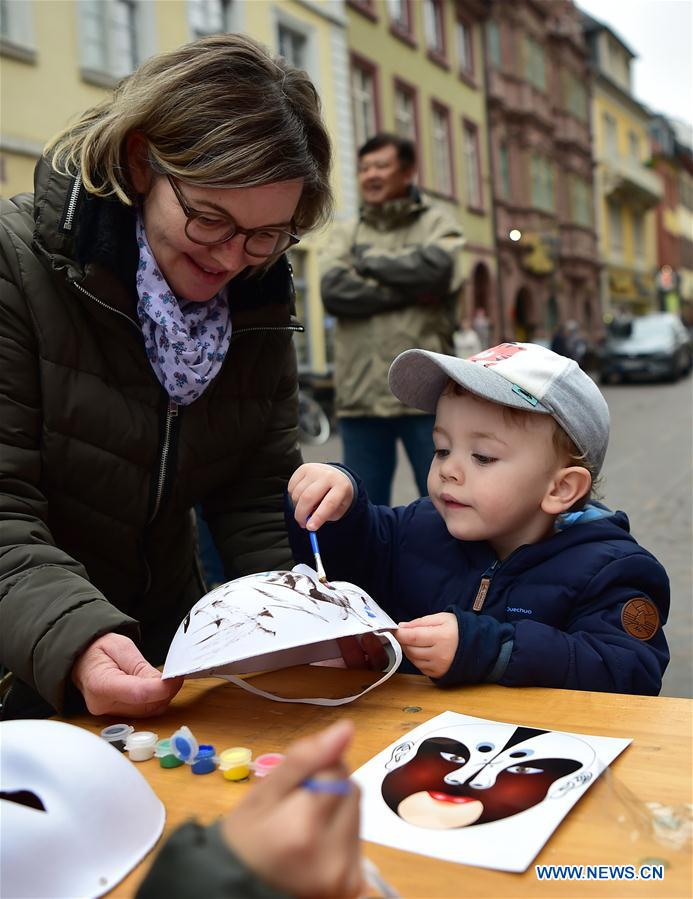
[[322, 577]]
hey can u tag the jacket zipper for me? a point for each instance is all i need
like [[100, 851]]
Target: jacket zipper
[[171, 415], [72, 204], [172, 411]]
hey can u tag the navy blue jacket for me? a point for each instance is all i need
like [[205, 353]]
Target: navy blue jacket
[[552, 612]]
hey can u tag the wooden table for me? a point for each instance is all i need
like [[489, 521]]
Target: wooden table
[[599, 830]]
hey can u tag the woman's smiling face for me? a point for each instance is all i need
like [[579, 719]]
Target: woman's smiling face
[[193, 271]]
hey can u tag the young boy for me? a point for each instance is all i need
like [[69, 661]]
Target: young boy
[[507, 573]]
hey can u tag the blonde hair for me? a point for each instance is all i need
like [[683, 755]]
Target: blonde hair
[[219, 112]]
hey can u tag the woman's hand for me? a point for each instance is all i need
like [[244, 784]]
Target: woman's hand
[[321, 492], [301, 842], [116, 679], [430, 642]]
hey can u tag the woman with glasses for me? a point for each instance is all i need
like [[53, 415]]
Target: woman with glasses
[[146, 365]]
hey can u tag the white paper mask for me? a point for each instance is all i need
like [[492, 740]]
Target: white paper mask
[[76, 816]]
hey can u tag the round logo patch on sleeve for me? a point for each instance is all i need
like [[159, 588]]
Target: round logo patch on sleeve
[[640, 618]]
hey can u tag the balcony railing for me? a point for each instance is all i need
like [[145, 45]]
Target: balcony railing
[[627, 180]]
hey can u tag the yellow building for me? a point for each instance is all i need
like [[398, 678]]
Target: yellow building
[[59, 57], [416, 67], [626, 188]]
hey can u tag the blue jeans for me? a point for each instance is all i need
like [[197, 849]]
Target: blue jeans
[[370, 450]]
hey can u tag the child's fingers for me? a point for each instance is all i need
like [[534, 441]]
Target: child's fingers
[[417, 636], [436, 620]]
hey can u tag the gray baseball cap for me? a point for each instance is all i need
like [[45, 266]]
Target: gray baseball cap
[[522, 375]]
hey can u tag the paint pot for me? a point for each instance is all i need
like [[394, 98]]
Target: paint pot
[[140, 745], [165, 755], [265, 764], [205, 760], [184, 745], [116, 735], [234, 763]]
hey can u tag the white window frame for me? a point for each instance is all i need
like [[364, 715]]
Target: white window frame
[[363, 102], [465, 46], [310, 53], [441, 139], [434, 27], [472, 165], [210, 17], [399, 12], [17, 29], [405, 112], [101, 26]]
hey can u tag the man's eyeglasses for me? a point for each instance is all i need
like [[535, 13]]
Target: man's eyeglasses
[[209, 229]]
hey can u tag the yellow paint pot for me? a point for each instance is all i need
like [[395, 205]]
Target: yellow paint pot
[[234, 763]]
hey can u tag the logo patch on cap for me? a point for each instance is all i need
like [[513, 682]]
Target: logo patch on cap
[[640, 618]]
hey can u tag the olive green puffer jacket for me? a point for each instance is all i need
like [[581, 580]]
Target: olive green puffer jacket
[[98, 471]]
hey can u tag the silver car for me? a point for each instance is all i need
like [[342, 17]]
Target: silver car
[[655, 346]]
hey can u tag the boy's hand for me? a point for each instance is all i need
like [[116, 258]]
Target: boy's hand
[[320, 491], [430, 642]]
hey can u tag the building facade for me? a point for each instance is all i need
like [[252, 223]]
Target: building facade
[[61, 57], [673, 161], [627, 189], [417, 69], [539, 121]]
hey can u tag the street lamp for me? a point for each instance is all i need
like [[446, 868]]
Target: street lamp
[[515, 235]]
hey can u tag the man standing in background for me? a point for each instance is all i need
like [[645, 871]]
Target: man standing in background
[[391, 279]]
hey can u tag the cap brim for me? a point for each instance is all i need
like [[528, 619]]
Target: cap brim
[[418, 377]]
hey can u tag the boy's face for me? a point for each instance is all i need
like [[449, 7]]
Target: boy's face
[[490, 474]]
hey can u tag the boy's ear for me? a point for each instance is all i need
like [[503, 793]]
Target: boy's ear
[[568, 486]]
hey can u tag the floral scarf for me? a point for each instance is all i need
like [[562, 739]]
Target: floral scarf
[[186, 341]]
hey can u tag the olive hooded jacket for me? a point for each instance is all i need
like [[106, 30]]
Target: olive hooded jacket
[[98, 469]]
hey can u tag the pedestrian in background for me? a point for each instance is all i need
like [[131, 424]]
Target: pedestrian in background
[[482, 325], [147, 365], [391, 279], [466, 340]]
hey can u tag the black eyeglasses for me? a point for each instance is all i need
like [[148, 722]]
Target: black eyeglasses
[[208, 229]]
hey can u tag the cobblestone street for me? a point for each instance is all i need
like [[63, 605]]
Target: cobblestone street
[[647, 474]]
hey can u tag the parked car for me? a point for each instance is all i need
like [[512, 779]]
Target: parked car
[[655, 346]]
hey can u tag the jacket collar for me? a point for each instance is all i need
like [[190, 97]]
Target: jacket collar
[[393, 213]]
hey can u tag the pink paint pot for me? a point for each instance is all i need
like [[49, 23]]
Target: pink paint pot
[[266, 763]]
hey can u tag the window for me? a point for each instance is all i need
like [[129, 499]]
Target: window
[[610, 134], [575, 99], [535, 66], [465, 49], [405, 111], [493, 44], [363, 101], [615, 228], [504, 171], [581, 202], [543, 183], [16, 26], [434, 27], [634, 146], [400, 16], [638, 236], [292, 46], [442, 151], [297, 258], [209, 16], [472, 166], [109, 30]]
